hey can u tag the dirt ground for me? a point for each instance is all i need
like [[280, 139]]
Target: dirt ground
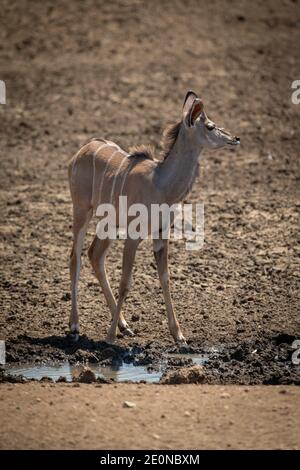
[[94, 417], [120, 70]]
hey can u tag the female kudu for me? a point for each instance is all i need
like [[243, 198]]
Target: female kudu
[[101, 172]]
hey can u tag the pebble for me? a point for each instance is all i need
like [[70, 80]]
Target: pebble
[[225, 395], [129, 404]]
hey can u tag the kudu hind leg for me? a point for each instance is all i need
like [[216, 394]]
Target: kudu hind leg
[[127, 265], [80, 223], [160, 248], [97, 255]]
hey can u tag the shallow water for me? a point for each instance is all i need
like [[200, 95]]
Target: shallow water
[[119, 373]]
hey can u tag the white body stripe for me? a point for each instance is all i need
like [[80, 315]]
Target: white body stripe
[[94, 167], [115, 178], [103, 175], [103, 145], [124, 178]]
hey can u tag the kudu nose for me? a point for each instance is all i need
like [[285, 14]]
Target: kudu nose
[[237, 139]]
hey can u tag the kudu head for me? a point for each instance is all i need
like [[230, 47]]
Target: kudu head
[[200, 128]]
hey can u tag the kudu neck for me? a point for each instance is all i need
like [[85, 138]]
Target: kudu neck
[[176, 174]]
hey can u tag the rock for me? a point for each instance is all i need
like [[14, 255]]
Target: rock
[[84, 374], [103, 380], [129, 404], [46, 379], [187, 375], [14, 379], [61, 378], [66, 296], [225, 395]]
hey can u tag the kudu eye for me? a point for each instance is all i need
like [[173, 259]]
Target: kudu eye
[[210, 127]]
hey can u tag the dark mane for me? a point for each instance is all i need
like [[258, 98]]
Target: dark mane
[[142, 151], [169, 138]]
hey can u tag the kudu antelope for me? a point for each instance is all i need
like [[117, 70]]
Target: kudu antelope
[[101, 172]]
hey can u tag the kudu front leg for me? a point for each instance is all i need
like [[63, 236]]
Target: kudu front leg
[[160, 248], [127, 265]]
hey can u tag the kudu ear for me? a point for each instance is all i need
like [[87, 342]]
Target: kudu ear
[[192, 108]]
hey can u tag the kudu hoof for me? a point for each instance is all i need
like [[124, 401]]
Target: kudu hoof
[[73, 334], [127, 332], [181, 342], [110, 339]]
